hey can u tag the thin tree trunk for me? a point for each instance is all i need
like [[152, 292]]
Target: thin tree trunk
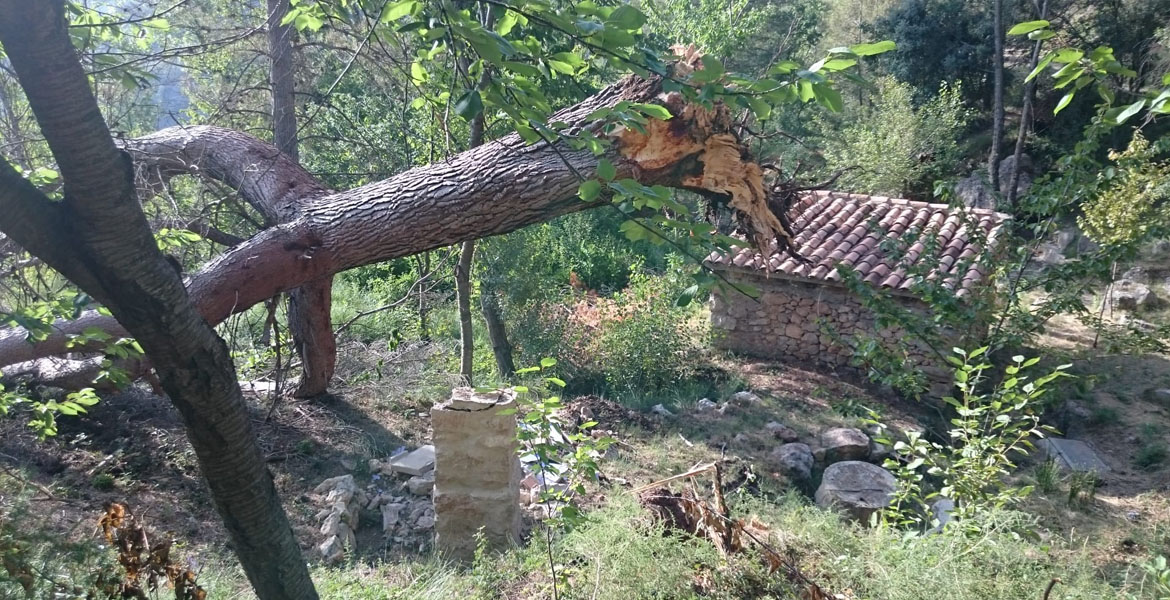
[[309, 319], [281, 78], [497, 333], [997, 100], [98, 237], [1025, 116], [463, 297]]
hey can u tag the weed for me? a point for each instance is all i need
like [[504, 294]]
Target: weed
[[1104, 415], [1047, 476], [304, 447], [1150, 455], [103, 482], [1082, 488]]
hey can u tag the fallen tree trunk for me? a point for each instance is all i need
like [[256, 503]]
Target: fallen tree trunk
[[493, 189]]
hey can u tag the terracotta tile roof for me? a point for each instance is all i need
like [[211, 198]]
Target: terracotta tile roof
[[835, 227]]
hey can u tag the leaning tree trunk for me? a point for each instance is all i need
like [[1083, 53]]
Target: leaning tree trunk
[[98, 237], [309, 306], [493, 189], [497, 332]]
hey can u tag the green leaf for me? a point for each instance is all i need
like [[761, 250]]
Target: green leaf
[[469, 105], [627, 17], [1121, 114], [606, 170], [1027, 27], [1040, 66], [1166, 79], [1041, 35], [589, 190], [397, 10], [507, 22], [759, 107], [654, 110], [874, 48], [1064, 101], [828, 97], [522, 69], [556, 381], [561, 67], [418, 73], [548, 362], [838, 64], [1068, 55]]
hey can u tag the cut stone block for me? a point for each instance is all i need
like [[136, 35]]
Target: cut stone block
[[858, 488], [1073, 455], [477, 472], [415, 462]]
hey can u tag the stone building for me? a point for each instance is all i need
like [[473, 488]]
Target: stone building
[[805, 311]]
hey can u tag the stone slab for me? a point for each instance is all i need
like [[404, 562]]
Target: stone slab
[[415, 462], [1073, 455]]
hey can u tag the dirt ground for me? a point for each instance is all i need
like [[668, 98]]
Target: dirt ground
[[131, 448]]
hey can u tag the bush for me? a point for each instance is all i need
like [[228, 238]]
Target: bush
[[635, 341], [893, 147]]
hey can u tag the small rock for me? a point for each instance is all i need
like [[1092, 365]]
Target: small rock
[[782, 432], [942, 510], [375, 465], [421, 485], [795, 460], [331, 549], [844, 443], [744, 399], [416, 462], [586, 414], [1159, 396], [661, 411], [424, 522], [348, 463], [1077, 410], [705, 405], [1137, 274], [858, 488], [332, 524], [346, 537], [339, 482], [878, 452], [390, 516], [819, 455]]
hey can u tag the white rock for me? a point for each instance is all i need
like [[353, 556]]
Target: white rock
[[331, 524], [424, 522], [705, 405], [391, 513], [331, 549], [421, 485], [661, 411], [782, 432], [744, 399], [339, 482], [416, 462]]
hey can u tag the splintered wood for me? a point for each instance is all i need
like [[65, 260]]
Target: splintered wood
[[711, 519]]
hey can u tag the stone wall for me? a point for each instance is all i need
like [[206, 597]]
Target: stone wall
[[790, 319]]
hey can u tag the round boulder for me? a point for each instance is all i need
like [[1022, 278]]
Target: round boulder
[[858, 488], [794, 460], [844, 443]]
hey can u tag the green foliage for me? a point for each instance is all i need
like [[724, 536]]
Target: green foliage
[[571, 457], [987, 431], [893, 147], [1157, 577], [1132, 205]]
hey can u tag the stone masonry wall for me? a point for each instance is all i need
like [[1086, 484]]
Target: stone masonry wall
[[786, 323]]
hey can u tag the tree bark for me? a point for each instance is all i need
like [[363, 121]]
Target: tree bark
[[493, 189], [463, 300], [309, 318], [1025, 115], [497, 332], [997, 99], [98, 237]]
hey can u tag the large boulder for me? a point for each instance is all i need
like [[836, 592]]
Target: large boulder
[[1127, 294], [844, 443], [972, 191], [794, 460], [1007, 167], [857, 488]]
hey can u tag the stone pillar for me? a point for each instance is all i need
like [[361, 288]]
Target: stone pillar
[[477, 472]]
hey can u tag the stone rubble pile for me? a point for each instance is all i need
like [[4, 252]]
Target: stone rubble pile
[[398, 495]]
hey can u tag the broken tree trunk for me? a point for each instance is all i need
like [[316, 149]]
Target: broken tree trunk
[[496, 188]]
